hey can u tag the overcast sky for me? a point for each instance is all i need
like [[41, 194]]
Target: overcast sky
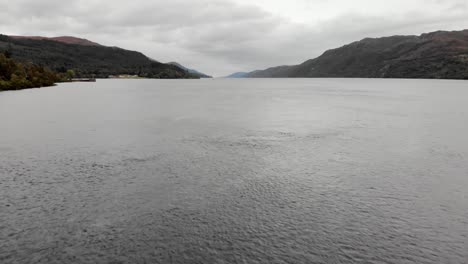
[[219, 37]]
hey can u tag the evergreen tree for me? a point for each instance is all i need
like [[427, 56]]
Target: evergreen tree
[[16, 76]]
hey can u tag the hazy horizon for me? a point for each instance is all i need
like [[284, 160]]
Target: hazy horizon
[[219, 37]]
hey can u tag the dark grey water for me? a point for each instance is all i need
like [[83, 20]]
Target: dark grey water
[[235, 171]]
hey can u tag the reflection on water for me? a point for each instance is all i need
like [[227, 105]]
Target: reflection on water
[[235, 171]]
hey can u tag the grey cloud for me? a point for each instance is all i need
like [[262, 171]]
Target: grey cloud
[[216, 36]]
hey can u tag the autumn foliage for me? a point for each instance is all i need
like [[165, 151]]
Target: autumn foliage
[[17, 76]]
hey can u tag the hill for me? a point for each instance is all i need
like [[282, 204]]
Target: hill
[[237, 75], [441, 55], [86, 60], [63, 39], [192, 71]]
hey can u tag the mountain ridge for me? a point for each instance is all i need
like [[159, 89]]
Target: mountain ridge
[[192, 71], [62, 39], [87, 59], [237, 75], [434, 55]]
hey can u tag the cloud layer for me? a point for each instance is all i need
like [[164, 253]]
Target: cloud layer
[[223, 36]]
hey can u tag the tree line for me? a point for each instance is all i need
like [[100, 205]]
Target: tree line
[[16, 76]]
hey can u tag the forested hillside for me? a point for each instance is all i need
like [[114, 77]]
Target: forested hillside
[[436, 55], [88, 60]]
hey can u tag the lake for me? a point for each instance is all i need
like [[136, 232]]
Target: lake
[[235, 171]]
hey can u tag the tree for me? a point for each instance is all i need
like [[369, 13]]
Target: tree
[[70, 75], [15, 75]]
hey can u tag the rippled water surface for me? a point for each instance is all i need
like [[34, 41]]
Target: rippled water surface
[[235, 171]]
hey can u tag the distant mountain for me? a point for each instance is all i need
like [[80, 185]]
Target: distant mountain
[[192, 71], [441, 55], [63, 39], [238, 75], [86, 58]]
